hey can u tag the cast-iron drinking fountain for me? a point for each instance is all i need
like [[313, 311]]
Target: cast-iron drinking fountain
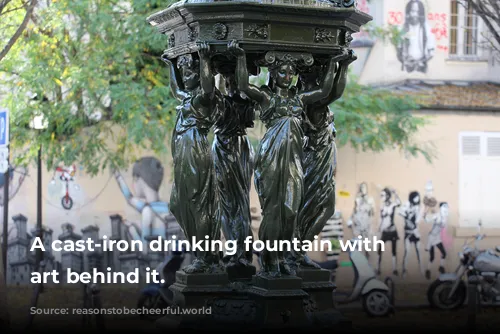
[[293, 167]]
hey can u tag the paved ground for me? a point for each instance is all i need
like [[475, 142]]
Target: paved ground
[[411, 311]]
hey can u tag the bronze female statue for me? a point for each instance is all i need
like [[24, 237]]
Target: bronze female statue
[[192, 198], [233, 160], [279, 178], [319, 154]]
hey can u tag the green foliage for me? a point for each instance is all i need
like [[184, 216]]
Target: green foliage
[[89, 60], [99, 60], [392, 33], [375, 119]]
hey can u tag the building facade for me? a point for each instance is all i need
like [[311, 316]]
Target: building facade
[[443, 56]]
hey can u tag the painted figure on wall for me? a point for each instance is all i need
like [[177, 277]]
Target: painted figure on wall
[[361, 220], [319, 161], [65, 178], [279, 177], [411, 214], [418, 45], [233, 164], [147, 176], [192, 199], [430, 206], [389, 202], [439, 221]]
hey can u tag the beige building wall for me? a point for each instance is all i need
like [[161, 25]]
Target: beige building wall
[[382, 66], [405, 174]]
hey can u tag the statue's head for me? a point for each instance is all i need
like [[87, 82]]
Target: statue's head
[[282, 74], [189, 68], [148, 174]]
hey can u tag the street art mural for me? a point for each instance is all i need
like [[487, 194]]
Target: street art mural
[[361, 220], [435, 239], [436, 214], [389, 203], [147, 173], [418, 45], [410, 212], [63, 182]]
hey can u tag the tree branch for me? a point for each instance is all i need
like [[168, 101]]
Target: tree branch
[[4, 4], [487, 17], [11, 10], [19, 30]]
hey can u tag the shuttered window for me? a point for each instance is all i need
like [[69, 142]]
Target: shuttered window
[[479, 178]]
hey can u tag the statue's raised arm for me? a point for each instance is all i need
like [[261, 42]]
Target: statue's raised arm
[[242, 78], [340, 80], [207, 80], [310, 96], [327, 85], [176, 85]]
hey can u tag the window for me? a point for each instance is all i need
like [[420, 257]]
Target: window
[[479, 184], [464, 31]]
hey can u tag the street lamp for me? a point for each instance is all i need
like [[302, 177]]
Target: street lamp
[[39, 123]]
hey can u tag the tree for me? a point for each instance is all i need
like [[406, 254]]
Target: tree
[[14, 15], [376, 119], [93, 70], [489, 12]]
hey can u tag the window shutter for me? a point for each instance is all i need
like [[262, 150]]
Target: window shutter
[[471, 145], [493, 147]]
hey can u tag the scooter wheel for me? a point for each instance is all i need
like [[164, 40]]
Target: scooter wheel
[[377, 303]]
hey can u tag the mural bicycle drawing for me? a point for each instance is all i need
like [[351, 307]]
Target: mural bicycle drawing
[[65, 175]]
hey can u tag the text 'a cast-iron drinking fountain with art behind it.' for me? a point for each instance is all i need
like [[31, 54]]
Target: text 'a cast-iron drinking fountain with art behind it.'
[[211, 192]]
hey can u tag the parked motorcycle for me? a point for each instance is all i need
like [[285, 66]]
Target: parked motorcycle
[[449, 291], [377, 297]]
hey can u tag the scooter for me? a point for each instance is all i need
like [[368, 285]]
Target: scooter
[[377, 297], [157, 295]]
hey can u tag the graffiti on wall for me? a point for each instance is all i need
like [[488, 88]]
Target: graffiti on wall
[[364, 210], [63, 184], [147, 174], [418, 45], [389, 202], [410, 212], [439, 28], [436, 214], [417, 211]]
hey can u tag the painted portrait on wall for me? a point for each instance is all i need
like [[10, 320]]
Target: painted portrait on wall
[[418, 45]]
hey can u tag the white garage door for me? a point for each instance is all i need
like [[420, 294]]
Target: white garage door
[[479, 178]]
